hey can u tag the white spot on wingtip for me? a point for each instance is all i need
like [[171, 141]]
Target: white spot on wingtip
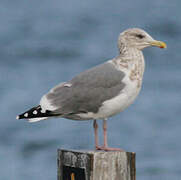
[[17, 117], [26, 115], [35, 112]]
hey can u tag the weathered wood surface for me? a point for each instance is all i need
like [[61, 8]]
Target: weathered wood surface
[[96, 165]]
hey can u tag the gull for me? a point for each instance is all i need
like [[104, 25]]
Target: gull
[[102, 91]]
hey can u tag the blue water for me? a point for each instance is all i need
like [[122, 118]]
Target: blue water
[[43, 43]]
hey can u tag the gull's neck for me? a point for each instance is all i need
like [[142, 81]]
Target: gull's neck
[[130, 59]]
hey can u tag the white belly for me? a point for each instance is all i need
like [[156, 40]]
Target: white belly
[[117, 104]]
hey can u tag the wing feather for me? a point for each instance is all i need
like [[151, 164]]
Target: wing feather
[[86, 92]]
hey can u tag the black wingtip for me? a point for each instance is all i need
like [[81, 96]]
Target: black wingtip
[[35, 112], [30, 113], [22, 116]]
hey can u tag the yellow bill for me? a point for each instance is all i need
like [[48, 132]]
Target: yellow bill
[[159, 44]]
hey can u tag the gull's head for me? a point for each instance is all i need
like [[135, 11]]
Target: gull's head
[[138, 39]]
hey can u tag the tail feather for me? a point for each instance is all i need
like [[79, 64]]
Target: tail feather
[[36, 114], [37, 119]]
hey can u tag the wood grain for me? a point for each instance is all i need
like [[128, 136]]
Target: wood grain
[[97, 165]]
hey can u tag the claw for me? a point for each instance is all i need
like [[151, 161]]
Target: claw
[[103, 148]]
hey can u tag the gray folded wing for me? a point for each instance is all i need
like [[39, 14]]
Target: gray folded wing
[[87, 91]]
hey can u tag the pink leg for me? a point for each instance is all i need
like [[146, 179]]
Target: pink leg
[[105, 146], [105, 132], [95, 125]]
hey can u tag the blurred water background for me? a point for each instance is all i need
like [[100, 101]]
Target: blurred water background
[[43, 43]]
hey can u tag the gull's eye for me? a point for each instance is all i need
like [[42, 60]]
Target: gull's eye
[[140, 36]]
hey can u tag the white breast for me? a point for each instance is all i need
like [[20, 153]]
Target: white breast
[[120, 102]]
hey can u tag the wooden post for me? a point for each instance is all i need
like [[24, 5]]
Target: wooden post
[[96, 165]]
